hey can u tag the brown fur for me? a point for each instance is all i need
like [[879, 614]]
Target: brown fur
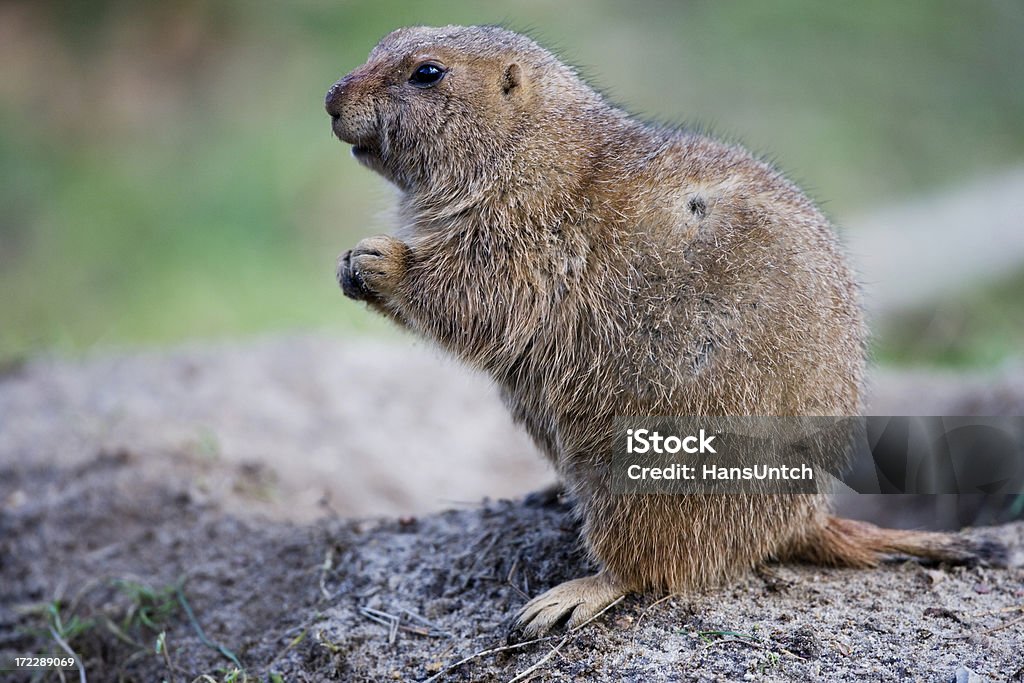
[[597, 266]]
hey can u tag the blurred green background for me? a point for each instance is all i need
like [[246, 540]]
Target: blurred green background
[[169, 172]]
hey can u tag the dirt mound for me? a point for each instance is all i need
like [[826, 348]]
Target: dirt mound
[[107, 548]]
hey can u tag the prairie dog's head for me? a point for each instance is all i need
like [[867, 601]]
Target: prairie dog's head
[[445, 108]]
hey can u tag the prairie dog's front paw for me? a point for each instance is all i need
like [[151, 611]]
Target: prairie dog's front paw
[[373, 269]]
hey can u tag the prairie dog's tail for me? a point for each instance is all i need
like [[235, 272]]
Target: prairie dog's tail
[[849, 543]]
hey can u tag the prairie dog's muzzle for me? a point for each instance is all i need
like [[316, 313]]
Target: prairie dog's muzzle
[[350, 104]]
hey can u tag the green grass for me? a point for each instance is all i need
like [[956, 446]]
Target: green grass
[[978, 328], [137, 615], [178, 179]]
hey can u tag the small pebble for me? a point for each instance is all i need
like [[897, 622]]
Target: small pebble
[[965, 675]]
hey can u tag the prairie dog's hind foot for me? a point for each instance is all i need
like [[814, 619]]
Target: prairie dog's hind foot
[[572, 602]]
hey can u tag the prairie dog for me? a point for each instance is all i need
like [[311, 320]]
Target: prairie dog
[[594, 266]]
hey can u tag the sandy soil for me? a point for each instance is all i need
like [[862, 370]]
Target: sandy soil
[[362, 428], [232, 472]]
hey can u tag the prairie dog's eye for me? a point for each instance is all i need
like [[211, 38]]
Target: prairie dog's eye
[[426, 75]]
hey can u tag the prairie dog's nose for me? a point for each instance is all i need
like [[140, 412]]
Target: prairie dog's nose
[[350, 85], [351, 106], [332, 101]]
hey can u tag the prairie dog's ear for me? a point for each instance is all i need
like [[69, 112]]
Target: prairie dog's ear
[[511, 79]]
